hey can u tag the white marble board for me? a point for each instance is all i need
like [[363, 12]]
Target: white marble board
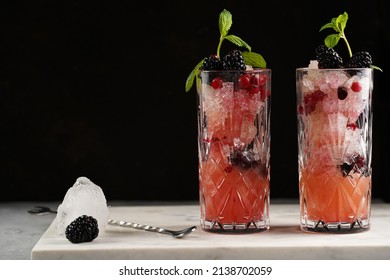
[[284, 240]]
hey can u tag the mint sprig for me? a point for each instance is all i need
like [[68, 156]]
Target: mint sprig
[[337, 24], [225, 22]]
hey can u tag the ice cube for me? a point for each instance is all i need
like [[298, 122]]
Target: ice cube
[[83, 198], [313, 64], [308, 82], [354, 143], [336, 79]]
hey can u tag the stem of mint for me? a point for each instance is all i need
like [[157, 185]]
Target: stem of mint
[[219, 45], [342, 35]]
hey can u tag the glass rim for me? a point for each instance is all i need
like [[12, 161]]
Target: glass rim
[[334, 69], [241, 71]]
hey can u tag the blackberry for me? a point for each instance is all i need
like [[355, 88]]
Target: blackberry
[[83, 229], [246, 160], [346, 168], [342, 93], [328, 57], [212, 62], [233, 61], [357, 165], [360, 60]]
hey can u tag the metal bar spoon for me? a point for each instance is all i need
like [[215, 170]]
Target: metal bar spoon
[[43, 210]]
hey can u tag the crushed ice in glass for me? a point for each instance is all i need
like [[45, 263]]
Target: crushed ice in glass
[[313, 64], [83, 198]]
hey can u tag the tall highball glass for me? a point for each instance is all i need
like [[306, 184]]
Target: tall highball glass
[[334, 148], [234, 149]]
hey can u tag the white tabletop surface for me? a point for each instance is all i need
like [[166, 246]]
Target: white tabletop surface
[[284, 240]]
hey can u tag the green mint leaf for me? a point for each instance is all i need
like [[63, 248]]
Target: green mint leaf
[[332, 40], [190, 80], [376, 67], [238, 41], [328, 25], [225, 22], [334, 24], [254, 59], [192, 75], [341, 22]]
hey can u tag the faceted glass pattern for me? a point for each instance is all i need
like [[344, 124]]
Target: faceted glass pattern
[[234, 149], [334, 148]]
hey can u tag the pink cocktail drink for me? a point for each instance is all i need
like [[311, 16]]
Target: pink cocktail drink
[[334, 135], [334, 96], [234, 147], [233, 91]]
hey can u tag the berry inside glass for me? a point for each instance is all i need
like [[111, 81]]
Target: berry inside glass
[[234, 149]]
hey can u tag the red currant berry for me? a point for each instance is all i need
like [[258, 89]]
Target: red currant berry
[[253, 89], [216, 83], [255, 79], [259, 79], [352, 126], [244, 81], [300, 109], [262, 79], [356, 87]]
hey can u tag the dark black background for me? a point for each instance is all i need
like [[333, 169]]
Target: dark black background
[[97, 90]]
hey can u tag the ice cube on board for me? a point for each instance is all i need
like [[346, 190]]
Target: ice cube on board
[[83, 198]]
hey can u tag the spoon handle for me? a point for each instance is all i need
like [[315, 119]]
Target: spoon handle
[[138, 226]]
